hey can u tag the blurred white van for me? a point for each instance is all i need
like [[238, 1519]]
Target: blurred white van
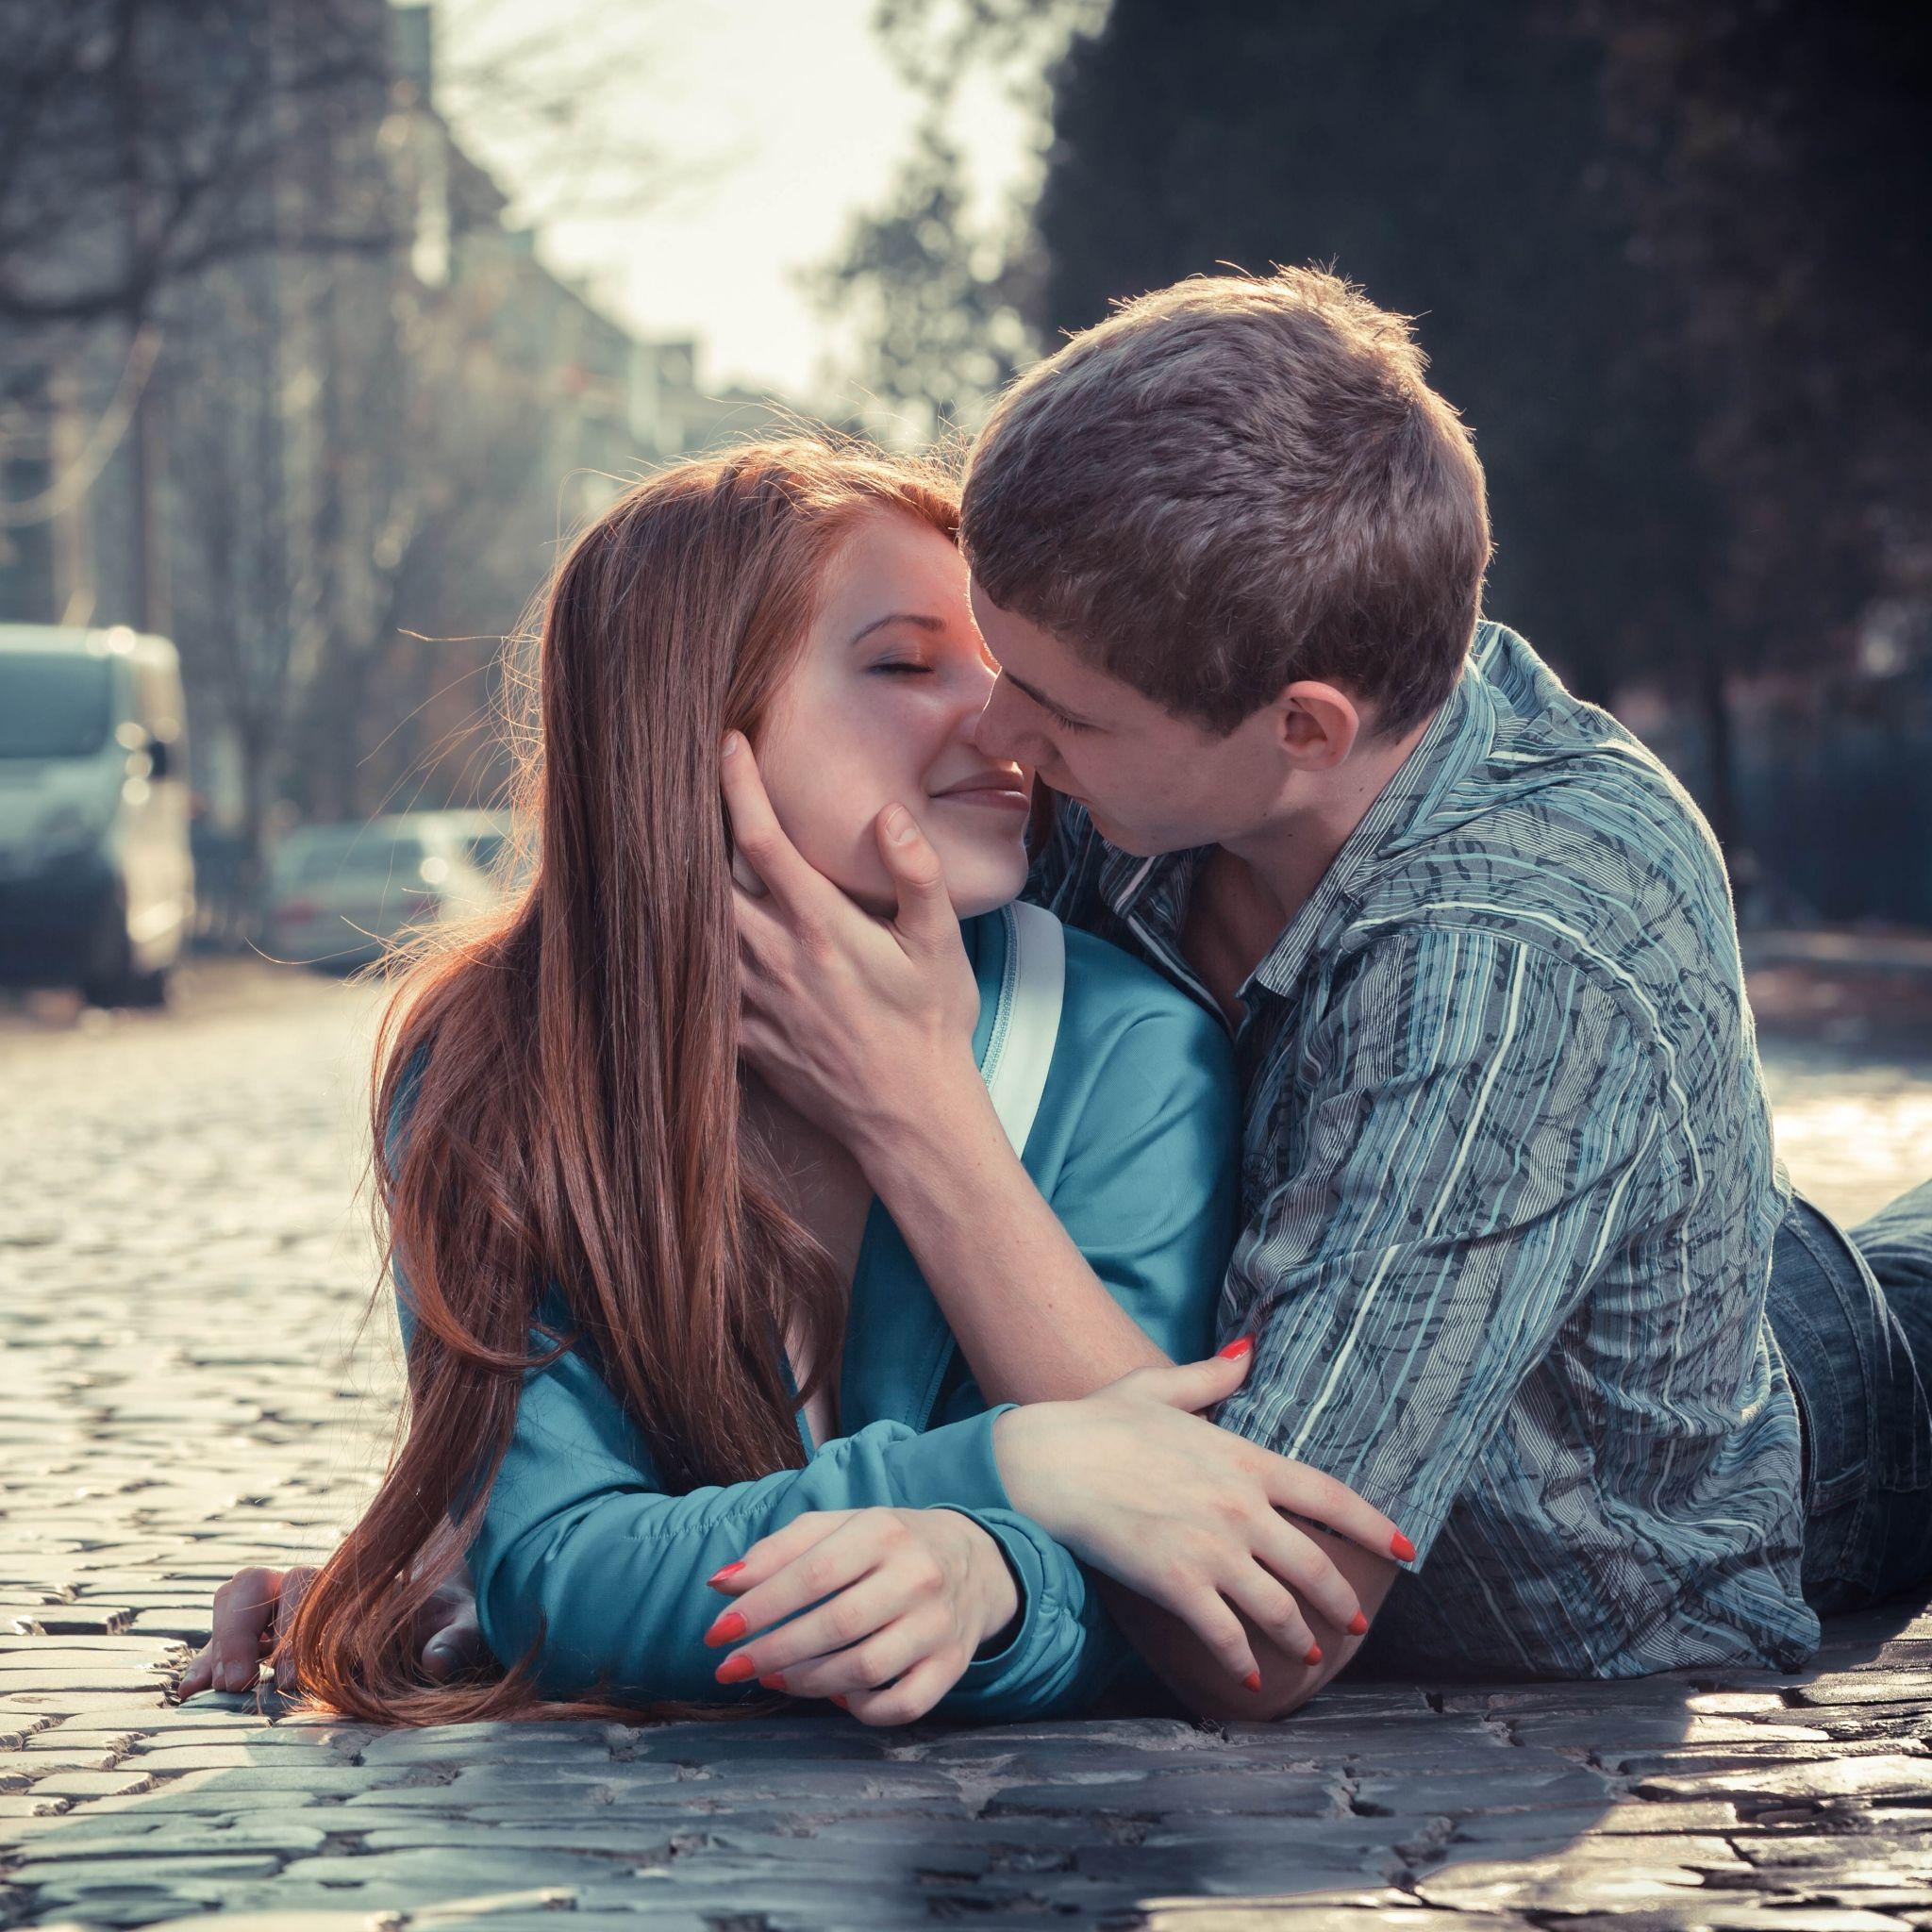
[[96, 883]]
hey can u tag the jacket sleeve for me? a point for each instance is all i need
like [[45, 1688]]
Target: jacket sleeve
[[582, 1556]]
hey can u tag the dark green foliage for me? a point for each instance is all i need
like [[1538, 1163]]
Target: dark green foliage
[[1668, 260]]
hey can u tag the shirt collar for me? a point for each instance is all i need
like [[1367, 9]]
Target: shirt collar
[[1154, 891]]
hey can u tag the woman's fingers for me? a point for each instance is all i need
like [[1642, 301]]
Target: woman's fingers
[[1178, 1588], [1305, 1492], [786, 1557], [1300, 1561], [848, 1616], [910, 1699], [1191, 1386], [886, 1653], [1273, 1611]]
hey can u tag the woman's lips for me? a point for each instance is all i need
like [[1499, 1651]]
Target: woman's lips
[[1009, 797]]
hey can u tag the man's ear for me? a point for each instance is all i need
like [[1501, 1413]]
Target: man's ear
[[1319, 724]]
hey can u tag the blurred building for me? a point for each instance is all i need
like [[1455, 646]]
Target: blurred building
[[334, 464]]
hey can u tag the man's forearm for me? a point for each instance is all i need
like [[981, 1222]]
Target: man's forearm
[[1033, 1320]]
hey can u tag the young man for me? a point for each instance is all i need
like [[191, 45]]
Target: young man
[[1518, 1262]]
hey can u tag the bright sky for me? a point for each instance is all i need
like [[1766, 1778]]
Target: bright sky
[[793, 123]]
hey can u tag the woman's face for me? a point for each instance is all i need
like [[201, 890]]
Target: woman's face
[[880, 710]]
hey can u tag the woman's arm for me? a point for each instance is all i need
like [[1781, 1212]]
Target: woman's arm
[[580, 1553]]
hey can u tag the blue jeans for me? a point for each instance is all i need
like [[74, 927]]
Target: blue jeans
[[1853, 1317]]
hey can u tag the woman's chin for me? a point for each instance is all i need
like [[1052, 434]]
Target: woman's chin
[[977, 881], [971, 904]]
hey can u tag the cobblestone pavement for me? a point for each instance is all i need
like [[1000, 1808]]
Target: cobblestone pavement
[[181, 1271]]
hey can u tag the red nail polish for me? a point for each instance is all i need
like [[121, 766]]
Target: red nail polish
[[1236, 1348], [1401, 1548], [1314, 1656], [1358, 1625], [729, 1570], [843, 1702], [735, 1670], [728, 1629], [774, 1682], [1253, 1680]]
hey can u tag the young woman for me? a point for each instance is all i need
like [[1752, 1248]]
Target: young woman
[[655, 1320]]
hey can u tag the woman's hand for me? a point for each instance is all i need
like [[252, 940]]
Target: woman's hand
[[1188, 1515], [255, 1606], [903, 1598]]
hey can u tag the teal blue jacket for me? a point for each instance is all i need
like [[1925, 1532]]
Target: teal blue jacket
[[1134, 1146]]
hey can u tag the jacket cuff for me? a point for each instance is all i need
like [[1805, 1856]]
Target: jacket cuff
[[953, 1465], [1029, 1581]]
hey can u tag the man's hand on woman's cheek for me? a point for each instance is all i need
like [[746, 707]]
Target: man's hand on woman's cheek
[[1195, 1519], [851, 1019]]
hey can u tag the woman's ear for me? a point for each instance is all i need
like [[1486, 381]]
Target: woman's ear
[[1320, 724]]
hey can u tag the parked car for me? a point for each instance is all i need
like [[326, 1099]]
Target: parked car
[[340, 895], [97, 878], [486, 838]]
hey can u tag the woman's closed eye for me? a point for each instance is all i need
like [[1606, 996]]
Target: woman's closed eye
[[905, 667]]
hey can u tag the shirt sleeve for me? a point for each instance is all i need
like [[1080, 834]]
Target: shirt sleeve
[[1464, 1147]]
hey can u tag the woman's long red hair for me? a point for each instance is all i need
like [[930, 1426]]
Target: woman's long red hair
[[575, 1114]]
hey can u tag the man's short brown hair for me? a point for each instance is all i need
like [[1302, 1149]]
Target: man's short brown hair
[[1233, 484]]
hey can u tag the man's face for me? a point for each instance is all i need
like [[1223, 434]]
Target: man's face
[[1153, 782]]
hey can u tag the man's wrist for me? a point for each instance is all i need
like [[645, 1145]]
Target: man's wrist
[[917, 1128]]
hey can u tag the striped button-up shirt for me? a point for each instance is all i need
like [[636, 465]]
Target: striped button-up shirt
[[1509, 1196]]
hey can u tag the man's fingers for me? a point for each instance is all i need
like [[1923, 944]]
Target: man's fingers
[[927, 917], [758, 835], [457, 1647], [246, 1612]]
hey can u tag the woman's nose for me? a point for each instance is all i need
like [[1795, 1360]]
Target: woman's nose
[[996, 732]]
